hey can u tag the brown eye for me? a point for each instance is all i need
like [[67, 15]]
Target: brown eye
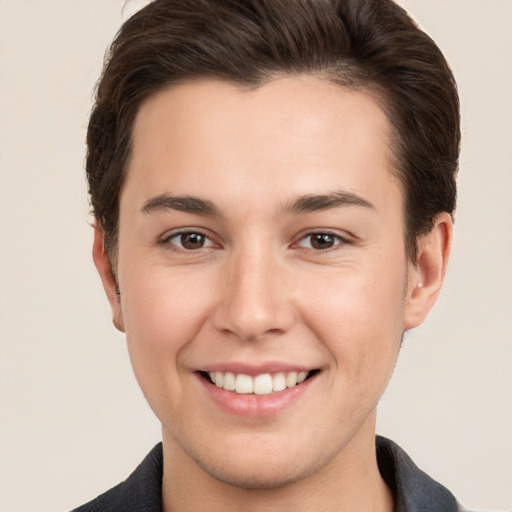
[[321, 241], [192, 241], [188, 241]]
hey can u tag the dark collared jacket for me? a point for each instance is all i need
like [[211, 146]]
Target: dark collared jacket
[[413, 489]]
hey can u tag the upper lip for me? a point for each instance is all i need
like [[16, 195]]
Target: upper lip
[[257, 369]]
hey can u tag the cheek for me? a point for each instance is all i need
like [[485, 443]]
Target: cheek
[[163, 313], [358, 315]]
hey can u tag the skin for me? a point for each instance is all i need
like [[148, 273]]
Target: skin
[[258, 290]]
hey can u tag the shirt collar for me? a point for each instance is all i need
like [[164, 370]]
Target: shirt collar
[[414, 490]]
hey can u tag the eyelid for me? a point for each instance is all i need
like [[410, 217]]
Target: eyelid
[[341, 240], [165, 240]]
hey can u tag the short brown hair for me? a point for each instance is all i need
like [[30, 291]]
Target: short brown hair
[[364, 44]]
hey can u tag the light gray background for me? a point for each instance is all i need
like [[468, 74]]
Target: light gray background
[[72, 419]]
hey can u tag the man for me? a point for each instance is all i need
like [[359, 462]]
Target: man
[[273, 184]]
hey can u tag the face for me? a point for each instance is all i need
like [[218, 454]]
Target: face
[[264, 284]]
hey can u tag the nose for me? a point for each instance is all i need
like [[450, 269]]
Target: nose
[[255, 299]]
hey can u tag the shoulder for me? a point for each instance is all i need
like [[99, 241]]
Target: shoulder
[[413, 489], [140, 492]]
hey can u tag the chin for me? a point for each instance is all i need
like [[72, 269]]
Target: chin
[[259, 469], [259, 478]]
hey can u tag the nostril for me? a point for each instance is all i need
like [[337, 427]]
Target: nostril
[[252, 322]]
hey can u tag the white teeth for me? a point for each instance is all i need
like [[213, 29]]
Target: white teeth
[[291, 379], [244, 384], [219, 379], [262, 384], [278, 382], [301, 377], [229, 381]]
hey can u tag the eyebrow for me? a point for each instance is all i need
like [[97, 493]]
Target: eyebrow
[[304, 204], [188, 204], [312, 203]]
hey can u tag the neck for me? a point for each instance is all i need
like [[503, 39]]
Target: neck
[[350, 481]]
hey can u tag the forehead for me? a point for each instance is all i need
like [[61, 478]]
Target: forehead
[[291, 136]]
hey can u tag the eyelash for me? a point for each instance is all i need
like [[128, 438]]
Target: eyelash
[[338, 241], [166, 241]]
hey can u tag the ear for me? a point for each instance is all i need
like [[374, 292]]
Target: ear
[[426, 276], [102, 262]]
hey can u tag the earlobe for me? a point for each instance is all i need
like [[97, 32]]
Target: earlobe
[[427, 275], [102, 263]]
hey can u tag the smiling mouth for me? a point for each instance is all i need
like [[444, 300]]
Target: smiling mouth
[[263, 384]]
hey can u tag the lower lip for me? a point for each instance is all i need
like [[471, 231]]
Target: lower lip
[[255, 406]]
